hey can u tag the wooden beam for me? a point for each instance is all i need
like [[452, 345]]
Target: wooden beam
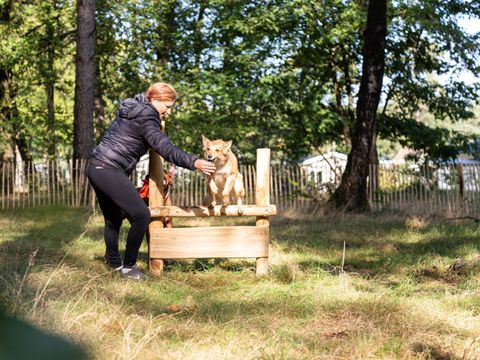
[[218, 210], [155, 199], [262, 198], [209, 242]]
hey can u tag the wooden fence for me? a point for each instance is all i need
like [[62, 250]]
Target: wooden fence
[[426, 189], [27, 184]]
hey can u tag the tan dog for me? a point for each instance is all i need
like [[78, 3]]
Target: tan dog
[[226, 185]]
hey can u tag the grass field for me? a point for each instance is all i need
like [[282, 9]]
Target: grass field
[[409, 288]]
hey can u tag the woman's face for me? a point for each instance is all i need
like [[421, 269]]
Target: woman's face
[[163, 107]]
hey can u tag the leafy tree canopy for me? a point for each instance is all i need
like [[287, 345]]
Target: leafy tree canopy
[[277, 73]]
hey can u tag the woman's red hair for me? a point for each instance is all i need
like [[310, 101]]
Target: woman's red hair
[[161, 91]]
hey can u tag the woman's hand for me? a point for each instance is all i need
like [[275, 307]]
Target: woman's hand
[[207, 167]]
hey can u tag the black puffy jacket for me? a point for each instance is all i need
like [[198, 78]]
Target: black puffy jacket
[[136, 128]]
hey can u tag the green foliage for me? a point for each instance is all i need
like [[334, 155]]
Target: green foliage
[[437, 142], [26, 38], [422, 50], [277, 73]]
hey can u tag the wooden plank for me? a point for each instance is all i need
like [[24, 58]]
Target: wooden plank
[[13, 183], [370, 186], [378, 196], [155, 199], [69, 189], [182, 190], [397, 201], [298, 188], [77, 182], [27, 182], [401, 187], [262, 193], [48, 183], [423, 182], [24, 185], [54, 182], [275, 175], [85, 182], [156, 180], [280, 181], [461, 188], [209, 242], [242, 170], [412, 184], [250, 185], [34, 184], [218, 210], [57, 177], [262, 198], [3, 185], [191, 187], [477, 188], [289, 180], [197, 196]]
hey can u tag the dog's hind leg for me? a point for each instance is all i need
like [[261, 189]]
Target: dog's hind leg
[[239, 189], [207, 200]]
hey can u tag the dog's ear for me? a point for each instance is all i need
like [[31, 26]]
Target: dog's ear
[[227, 145], [205, 141]]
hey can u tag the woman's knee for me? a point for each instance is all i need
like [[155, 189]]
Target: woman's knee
[[141, 215]]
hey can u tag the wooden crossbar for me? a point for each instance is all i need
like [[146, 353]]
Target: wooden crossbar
[[209, 242], [202, 211]]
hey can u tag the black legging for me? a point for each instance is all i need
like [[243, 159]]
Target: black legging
[[115, 192]]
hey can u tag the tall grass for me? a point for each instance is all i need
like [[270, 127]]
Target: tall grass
[[408, 288]]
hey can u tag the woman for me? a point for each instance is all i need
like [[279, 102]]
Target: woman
[[136, 128]]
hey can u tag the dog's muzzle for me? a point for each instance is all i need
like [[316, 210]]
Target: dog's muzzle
[[210, 158]]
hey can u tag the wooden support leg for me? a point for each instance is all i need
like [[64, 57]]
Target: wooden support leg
[[156, 198], [156, 266], [262, 197], [262, 266]]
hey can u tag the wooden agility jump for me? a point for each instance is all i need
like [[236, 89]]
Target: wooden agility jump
[[214, 241]]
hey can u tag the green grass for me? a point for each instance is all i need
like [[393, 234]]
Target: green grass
[[398, 295]]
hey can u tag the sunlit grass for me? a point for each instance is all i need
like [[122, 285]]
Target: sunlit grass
[[409, 288]]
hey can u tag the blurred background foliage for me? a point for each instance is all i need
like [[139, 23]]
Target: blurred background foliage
[[282, 74]]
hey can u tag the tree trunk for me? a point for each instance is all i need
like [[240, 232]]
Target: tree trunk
[[6, 11], [10, 114], [50, 89], [352, 192], [99, 104], [198, 38], [84, 80], [163, 52]]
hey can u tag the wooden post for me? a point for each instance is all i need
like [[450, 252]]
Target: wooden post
[[12, 177], [251, 184], [461, 187], [262, 197], [3, 186], [155, 194]]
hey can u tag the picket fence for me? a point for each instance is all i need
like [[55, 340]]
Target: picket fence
[[415, 188]]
